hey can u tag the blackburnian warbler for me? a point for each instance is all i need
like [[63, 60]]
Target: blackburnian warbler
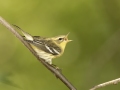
[[47, 48]]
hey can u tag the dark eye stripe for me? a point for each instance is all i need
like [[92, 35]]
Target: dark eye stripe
[[60, 39]]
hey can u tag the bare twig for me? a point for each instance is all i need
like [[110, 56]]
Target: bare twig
[[55, 71], [115, 81]]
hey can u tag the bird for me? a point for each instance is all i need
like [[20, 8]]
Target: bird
[[46, 48]]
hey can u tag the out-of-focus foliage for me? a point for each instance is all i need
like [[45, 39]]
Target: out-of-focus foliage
[[92, 58]]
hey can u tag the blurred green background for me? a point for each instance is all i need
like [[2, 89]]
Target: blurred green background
[[92, 58]]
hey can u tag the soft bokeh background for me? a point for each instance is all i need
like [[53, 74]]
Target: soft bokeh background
[[92, 58]]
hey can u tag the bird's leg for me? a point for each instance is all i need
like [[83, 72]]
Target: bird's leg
[[53, 65], [56, 67]]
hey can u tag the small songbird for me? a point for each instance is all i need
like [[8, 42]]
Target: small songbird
[[47, 48]]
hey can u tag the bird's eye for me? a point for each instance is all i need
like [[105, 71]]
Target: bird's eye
[[60, 39]]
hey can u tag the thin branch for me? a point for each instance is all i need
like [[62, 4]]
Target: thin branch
[[55, 71], [115, 81]]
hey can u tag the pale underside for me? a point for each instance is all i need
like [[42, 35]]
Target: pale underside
[[46, 56]]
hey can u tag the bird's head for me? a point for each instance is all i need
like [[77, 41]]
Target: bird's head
[[62, 40]]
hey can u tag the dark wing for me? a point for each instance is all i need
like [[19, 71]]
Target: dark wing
[[46, 45]]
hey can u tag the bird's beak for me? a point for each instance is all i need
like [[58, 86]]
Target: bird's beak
[[67, 38]]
